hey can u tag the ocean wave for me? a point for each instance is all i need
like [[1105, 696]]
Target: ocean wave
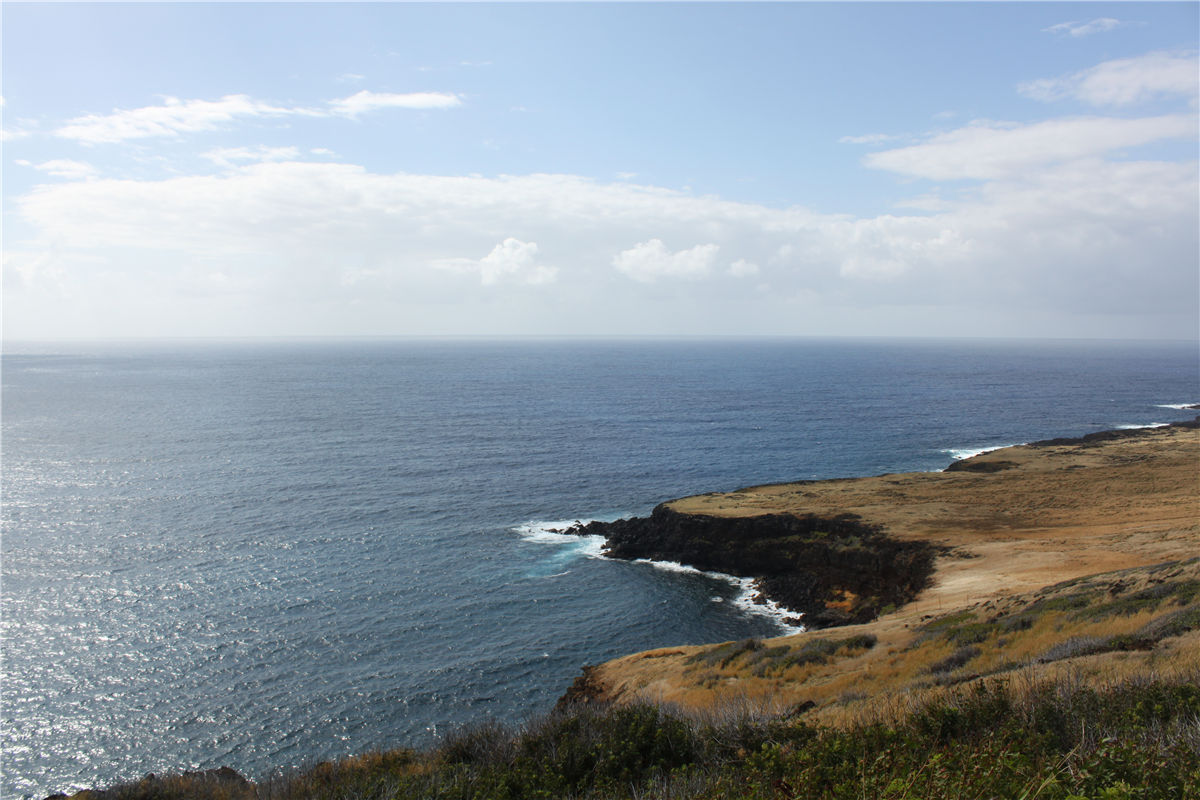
[[675, 566], [747, 599], [751, 601], [555, 532], [1178, 406], [958, 454], [1134, 427]]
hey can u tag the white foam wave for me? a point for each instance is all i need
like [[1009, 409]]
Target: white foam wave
[[554, 532], [747, 598], [1178, 406], [1144, 425], [675, 566], [958, 454]]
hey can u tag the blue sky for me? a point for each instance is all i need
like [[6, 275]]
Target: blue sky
[[886, 169]]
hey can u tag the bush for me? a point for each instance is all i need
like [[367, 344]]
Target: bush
[[1075, 647], [955, 660]]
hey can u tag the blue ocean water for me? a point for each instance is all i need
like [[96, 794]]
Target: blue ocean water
[[264, 554]]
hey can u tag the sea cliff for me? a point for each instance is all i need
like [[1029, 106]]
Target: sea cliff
[[994, 535]]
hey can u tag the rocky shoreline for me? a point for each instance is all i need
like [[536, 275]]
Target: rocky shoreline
[[830, 571]]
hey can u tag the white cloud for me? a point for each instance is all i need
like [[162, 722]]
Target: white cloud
[[887, 247], [511, 261], [371, 252], [365, 101], [1124, 81], [1078, 29], [227, 156], [513, 258], [989, 150], [174, 117], [63, 168], [650, 261]]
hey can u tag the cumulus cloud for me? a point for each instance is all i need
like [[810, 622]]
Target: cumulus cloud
[[1079, 29], [510, 261], [365, 101], [651, 261], [1124, 81], [989, 150], [513, 258]]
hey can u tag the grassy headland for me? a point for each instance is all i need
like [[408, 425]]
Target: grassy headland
[[1012, 526]]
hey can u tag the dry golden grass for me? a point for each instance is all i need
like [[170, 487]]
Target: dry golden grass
[[1054, 514]]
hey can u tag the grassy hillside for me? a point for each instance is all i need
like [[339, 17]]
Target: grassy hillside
[[1121, 625]]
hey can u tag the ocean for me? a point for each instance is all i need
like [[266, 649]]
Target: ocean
[[264, 554]]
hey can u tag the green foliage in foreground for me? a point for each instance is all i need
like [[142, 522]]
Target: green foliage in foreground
[[1061, 742]]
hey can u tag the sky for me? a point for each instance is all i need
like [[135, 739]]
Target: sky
[[628, 169]]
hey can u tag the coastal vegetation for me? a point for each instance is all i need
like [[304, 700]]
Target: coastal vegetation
[[1061, 740]]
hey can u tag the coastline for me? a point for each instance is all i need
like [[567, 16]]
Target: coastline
[[1063, 562], [1007, 523]]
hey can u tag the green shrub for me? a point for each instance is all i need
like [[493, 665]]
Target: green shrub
[[1054, 742]]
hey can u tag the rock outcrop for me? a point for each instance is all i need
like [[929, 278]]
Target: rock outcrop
[[833, 571]]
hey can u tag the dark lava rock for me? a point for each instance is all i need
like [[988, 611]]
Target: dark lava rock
[[586, 688], [1108, 436], [971, 465], [834, 571]]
